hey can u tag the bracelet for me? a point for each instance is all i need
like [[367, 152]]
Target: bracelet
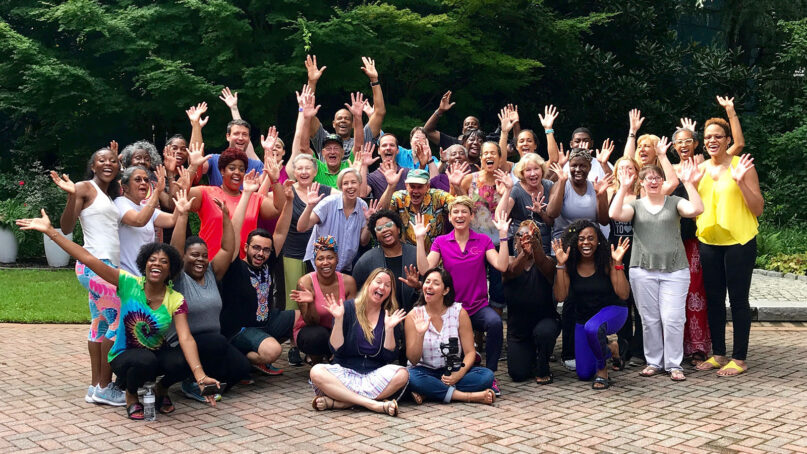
[[201, 379], [503, 239], [299, 109], [438, 113], [619, 267], [560, 267], [373, 84], [549, 131], [198, 366], [630, 134]]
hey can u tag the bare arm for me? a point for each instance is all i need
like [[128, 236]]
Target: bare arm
[[556, 194], [430, 128], [635, 120], [379, 108], [736, 130]]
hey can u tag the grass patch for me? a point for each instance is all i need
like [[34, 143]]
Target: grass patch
[[37, 296]]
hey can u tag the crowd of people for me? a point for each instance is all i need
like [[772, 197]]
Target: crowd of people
[[389, 269]]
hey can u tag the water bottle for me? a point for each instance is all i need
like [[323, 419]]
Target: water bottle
[[149, 399]]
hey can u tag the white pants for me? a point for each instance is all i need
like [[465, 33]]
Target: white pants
[[661, 299]]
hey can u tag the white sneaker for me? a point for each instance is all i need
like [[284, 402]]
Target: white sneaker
[[111, 395], [570, 364], [90, 391]]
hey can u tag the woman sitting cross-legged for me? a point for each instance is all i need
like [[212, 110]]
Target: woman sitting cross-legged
[[435, 320], [363, 343], [148, 305], [594, 281]]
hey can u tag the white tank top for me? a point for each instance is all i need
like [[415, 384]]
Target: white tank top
[[100, 222]]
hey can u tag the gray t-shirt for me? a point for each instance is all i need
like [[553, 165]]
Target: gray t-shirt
[[319, 138], [576, 207], [657, 241], [204, 305]]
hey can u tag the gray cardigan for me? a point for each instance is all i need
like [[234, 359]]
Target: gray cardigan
[[374, 258]]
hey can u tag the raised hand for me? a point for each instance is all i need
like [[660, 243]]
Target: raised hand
[[505, 119], [626, 179], [549, 116], [252, 181], [368, 109], [503, 181], [419, 226], [688, 123], [603, 154], [412, 278], [288, 190], [63, 182], [195, 114], [335, 306], [229, 98], [356, 104], [424, 152], [367, 159], [113, 147], [181, 202], [184, 180], [272, 168], [557, 168], [196, 154], [445, 102], [302, 296], [457, 172], [600, 186], [561, 255], [368, 68], [563, 158], [513, 113], [745, 164], [170, 160], [420, 322], [635, 119], [391, 173], [392, 319], [268, 141], [619, 251], [726, 102], [372, 207], [502, 223], [538, 204], [314, 73], [314, 196], [160, 173], [662, 146], [222, 206], [41, 224], [690, 172]]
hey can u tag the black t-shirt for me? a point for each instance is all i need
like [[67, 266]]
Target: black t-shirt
[[239, 296], [395, 264], [591, 294], [529, 300], [296, 242]]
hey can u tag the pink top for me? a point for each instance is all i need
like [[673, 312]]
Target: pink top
[[210, 214], [269, 224], [467, 268], [485, 198], [325, 317]]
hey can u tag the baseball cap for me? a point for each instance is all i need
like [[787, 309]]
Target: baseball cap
[[332, 138], [417, 176]]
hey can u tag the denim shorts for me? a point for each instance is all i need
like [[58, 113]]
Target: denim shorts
[[279, 326]]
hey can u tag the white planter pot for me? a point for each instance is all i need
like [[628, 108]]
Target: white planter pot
[[8, 246], [56, 256]]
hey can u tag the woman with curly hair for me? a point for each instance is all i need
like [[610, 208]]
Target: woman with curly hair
[[364, 348], [148, 307], [594, 281]]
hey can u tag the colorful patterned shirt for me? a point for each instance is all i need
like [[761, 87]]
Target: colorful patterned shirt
[[434, 210], [139, 325]]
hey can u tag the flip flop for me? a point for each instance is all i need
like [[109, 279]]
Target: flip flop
[[600, 383], [417, 398], [677, 375], [732, 366], [135, 411], [166, 406], [649, 371], [712, 364], [391, 407], [327, 406]]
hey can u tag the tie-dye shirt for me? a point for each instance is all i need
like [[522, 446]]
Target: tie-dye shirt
[[140, 326]]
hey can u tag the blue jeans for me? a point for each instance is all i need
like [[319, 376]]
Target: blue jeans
[[427, 383], [590, 342], [487, 320]]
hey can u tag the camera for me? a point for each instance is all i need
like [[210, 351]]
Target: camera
[[451, 353]]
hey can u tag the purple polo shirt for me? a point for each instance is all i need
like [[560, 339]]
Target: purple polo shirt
[[467, 269]]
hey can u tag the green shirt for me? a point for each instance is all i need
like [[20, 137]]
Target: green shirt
[[327, 178]]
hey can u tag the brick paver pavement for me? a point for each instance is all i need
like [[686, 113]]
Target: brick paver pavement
[[45, 369]]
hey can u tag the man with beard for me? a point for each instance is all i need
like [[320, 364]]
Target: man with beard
[[237, 137], [248, 317], [388, 151], [344, 119]]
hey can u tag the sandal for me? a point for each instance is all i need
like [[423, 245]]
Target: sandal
[[391, 407], [416, 397], [545, 380], [697, 358], [731, 366], [618, 361], [165, 406], [135, 411], [649, 371], [677, 375], [328, 406], [710, 364], [601, 383]]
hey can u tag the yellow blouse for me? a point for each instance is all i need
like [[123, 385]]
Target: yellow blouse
[[726, 218]]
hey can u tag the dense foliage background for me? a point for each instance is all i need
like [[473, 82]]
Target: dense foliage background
[[75, 74]]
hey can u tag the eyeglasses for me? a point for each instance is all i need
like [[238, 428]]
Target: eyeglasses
[[715, 137], [266, 250], [684, 141], [652, 178], [386, 225]]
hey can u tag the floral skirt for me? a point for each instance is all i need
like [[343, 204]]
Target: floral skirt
[[696, 330], [369, 385]]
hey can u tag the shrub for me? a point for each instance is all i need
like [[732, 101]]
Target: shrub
[[789, 263]]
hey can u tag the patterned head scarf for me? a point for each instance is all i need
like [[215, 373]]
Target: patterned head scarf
[[325, 243]]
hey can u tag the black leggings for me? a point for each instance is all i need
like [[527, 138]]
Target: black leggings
[[219, 358], [528, 353], [729, 267], [631, 332], [136, 366], [567, 320], [313, 340]]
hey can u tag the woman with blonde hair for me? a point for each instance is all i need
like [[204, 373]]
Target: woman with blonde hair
[[528, 198], [649, 149], [364, 348]]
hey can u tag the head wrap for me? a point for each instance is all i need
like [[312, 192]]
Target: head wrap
[[325, 243]]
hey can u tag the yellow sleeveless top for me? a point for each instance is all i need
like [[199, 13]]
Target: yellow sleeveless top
[[726, 219]]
